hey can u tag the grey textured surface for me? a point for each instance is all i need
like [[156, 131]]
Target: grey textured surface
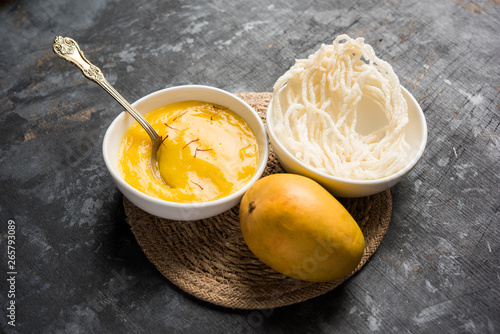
[[79, 269]]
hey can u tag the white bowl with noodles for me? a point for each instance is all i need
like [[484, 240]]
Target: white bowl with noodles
[[174, 210], [415, 136]]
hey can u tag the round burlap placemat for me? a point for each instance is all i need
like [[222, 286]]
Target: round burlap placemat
[[210, 260]]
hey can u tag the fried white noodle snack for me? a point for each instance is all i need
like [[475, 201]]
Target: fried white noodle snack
[[315, 112]]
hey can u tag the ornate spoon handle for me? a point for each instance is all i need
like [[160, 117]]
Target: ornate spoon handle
[[65, 48]]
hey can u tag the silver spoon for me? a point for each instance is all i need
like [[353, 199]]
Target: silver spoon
[[65, 48]]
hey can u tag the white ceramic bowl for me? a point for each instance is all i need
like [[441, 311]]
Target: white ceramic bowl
[[416, 136], [172, 210]]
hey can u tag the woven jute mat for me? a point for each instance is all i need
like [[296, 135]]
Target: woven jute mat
[[210, 260]]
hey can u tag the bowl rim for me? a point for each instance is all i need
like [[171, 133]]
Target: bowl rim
[[262, 163], [387, 179]]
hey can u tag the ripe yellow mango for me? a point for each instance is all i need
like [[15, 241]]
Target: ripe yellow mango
[[299, 229]]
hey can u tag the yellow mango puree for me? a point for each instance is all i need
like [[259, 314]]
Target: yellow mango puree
[[208, 152]]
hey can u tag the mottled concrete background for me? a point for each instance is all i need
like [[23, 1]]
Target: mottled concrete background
[[79, 268]]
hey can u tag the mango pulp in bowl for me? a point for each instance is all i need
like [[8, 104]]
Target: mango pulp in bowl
[[175, 210]]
